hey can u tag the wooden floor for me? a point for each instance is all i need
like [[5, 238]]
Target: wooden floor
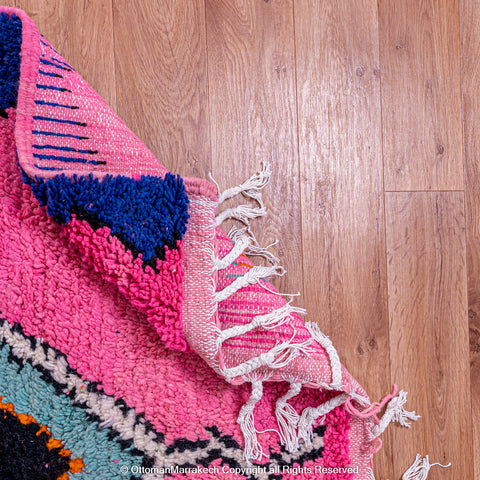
[[370, 115]]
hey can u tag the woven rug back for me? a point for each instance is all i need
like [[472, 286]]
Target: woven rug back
[[101, 247]]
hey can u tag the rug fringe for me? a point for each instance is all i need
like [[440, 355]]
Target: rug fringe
[[287, 418], [251, 188], [268, 321], [326, 343], [420, 468], [253, 450], [395, 413], [277, 357], [292, 426], [310, 415]]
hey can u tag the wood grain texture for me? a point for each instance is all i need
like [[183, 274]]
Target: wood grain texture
[[470, 48], [421, 106], [76, 29], [161, 77], [427, 284], [253, 114], [342, 187], [348, 100]]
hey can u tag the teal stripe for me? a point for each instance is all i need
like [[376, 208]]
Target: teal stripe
[[31, 395]]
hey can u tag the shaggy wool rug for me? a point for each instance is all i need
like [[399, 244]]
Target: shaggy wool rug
[[137, 339]]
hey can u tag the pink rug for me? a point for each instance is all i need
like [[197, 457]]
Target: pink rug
[[138, 340]]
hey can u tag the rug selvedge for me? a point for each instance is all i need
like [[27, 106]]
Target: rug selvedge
[[115, 219], [102, 430], [90, 212]]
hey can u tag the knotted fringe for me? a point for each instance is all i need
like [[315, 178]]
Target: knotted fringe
[[250, 188], [244, 213], [241, 243], [253, 449], [395, 413], [252, 276], [287, 418], [268, 321], [277, 357], [326, 343], [282, 353], [253, 247], [420, 468], [292, 427], [310, 415]]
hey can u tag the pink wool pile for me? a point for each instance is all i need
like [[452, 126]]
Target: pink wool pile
[[102, 327]]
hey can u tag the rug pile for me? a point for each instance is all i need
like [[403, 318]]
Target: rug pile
[[137, 339]]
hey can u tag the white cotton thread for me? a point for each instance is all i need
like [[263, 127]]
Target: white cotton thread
[[287, 418], [420, 468], [254, 248], [253, 450], [251, 188], [326, 343], [256, 182], [277, 357], [252, 276], [241, 243], [243, 213], [360, 399], [269, 321], [311, 414], [395, 413]]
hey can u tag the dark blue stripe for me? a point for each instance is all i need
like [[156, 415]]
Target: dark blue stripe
[[48, 46], [53, 59], [10, 45], [65, 149], [68, 159], [46, 62], [147, 215], [57, 134], [53, 104], [50, 74], [59, 120], [47, 168], [51, 87]]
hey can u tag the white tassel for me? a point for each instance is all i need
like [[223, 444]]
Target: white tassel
[[310, 415], [420, 468], [252, 276], [277, 357], [253, 248], [244, 213], [326, 343], [251, 188], [253, 449], [241, 243], [268, 321], [395, 413], [288, 418], [253, 184]]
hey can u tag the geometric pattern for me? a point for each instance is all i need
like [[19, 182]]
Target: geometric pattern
[[102, 431]]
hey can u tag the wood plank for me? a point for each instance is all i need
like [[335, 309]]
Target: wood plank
[[161, 80], [421, 102], [429, 327], [253, 115], [82, 34], [342, 187], [470, 49]]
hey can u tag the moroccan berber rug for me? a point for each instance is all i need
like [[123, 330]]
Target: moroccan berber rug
[[137, 339]]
